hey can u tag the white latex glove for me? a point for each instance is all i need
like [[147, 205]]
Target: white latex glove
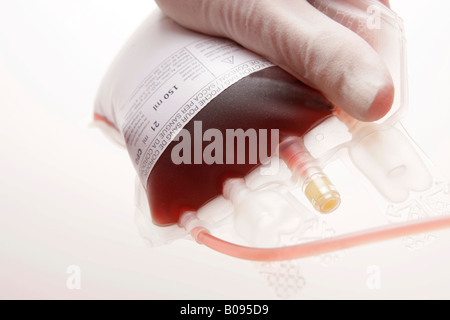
[[302, 40]]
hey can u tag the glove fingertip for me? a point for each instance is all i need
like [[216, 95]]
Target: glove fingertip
[[381, 104]]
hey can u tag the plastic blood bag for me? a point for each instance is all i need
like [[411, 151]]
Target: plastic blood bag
[[187, 139], [197, 114]]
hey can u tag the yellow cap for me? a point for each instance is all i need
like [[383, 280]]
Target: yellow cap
[[321, 193]]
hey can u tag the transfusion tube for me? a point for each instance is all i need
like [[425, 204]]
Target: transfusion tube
[[203, 236]]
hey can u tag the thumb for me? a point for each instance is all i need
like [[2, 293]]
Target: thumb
[[306, 43]]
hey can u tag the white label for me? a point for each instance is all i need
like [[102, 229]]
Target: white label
[[176, 90]]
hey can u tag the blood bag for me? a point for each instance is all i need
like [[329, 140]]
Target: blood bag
[[202, 116]]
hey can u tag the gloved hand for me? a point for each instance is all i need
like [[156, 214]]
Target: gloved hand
[[296, 36]]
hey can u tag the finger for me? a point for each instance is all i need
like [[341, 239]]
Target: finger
[[306, 43], [386, 3]]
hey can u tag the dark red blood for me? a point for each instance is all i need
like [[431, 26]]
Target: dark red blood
[[268, 99]]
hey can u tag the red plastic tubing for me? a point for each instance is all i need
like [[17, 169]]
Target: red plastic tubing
[[304, 250]]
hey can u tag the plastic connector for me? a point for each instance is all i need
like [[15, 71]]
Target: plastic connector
[[192, 224], [316, 186]]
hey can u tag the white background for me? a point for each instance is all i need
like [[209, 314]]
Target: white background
[[67, 192]]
